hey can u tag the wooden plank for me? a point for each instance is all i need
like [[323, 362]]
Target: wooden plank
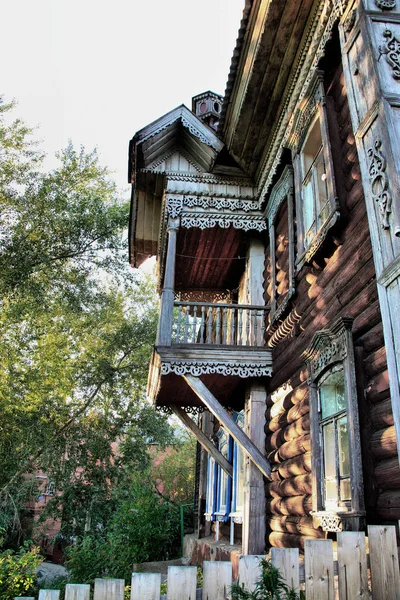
[[222, 415], [352, 565], [318, 564], [49, 594], [203, 440], [75, 591], [109, 589], [182, 583], [24, 598], [287, 561], [145, 586], [217, 580], [249, 571], [384, 562]]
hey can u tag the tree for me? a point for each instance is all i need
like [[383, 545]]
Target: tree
[[175, 474], [76, 330]]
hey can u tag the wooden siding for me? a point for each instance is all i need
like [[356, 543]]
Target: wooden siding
[[342, 284]]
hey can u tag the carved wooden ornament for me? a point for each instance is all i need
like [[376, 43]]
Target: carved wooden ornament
[[379, 182]]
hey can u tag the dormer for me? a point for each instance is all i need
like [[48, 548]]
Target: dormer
[[207, 107]]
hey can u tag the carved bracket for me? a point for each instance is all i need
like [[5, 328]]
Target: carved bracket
[[197, 368], [327, 346], [379, 182], [391, 49], [386, 4]]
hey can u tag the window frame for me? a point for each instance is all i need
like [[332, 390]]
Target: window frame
[[211, 493], [281, 192], [329, 349], [236, 509], [223, 505], [310, 110]]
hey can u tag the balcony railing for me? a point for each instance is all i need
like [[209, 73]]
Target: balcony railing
[[218, 324]]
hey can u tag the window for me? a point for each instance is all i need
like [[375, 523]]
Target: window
[[211, 489], [338, 498], [238, 475], [316, 202], [224, 482]]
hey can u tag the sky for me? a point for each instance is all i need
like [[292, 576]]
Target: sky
[[96, 72]]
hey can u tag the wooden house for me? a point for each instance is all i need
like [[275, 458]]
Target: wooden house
[[274, 214]]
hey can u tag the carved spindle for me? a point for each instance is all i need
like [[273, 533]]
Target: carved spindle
[[262, 342], [218, 326], [240, 327], [224, 324], [202, 323], [186, 325], [194, 325], [255, 327], [178, 325], [233, 320], [247, 342], [209, 324]]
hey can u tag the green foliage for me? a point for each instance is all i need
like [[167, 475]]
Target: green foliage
[[142, 528], [175, 473], [18, 571], [270, 586]]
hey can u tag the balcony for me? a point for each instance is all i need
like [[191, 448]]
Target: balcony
[[222, 344]]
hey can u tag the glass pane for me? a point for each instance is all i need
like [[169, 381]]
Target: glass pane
[[321, 189], [345, 490], [328, 432], [331, 393], [222, 489], [343, 436], [311, 147], [308, 211]]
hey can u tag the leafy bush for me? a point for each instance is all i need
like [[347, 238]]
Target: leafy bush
[[18, 571], [270, 586]]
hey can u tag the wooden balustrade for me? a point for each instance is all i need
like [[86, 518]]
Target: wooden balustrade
[[219, 324]]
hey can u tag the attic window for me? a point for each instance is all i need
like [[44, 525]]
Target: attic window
[[216, 106], [203, 107]]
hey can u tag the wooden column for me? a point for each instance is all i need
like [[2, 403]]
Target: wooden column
[[370, 38], [253, 533], [164, 332]]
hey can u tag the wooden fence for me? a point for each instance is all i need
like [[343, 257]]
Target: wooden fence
[[348, 578]]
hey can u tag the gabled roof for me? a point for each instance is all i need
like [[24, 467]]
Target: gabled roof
[[179, 128]]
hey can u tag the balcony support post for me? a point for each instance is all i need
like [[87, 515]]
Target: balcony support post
[[164, 333], [233, 429], [203, 440]]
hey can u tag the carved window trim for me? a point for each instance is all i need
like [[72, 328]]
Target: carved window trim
[[311, 110], [281, 192], [329, 348]]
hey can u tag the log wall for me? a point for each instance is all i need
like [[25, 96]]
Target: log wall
[[341, 285]]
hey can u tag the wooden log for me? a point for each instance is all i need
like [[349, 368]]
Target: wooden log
[[378, 388], [381, 414], [375, 362], [318, 565], [217, 580], [181, 583], [286, 540], [388, 505], [297, 525], [383, 443], [384, 562], [366, 318], [295, 466], [146, 586], [352, 565], [373, 339], [287, 561], [292, 431], [387, 474], [203, 440], [294, 486], [109, 589], [74, 591], [249, 571], [295, 447], [295, 505], [223, 416]]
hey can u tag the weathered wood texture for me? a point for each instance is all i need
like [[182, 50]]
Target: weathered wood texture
[[319, 574], [109, 589], [145, 586], [287, 561], [74, 591], [342, 284], [249, 571], [384, 562], [352, 565], [181, 583], [49, 594], [217, 576]]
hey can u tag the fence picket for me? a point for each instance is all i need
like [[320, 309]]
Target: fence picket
[[352, 565], [24, 598], [319, 575], [109, 589], [217, 580], [145, 586], [384, 562], [249, 571], [49, 594], [287, 561], [75, 591], [182, 583]]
